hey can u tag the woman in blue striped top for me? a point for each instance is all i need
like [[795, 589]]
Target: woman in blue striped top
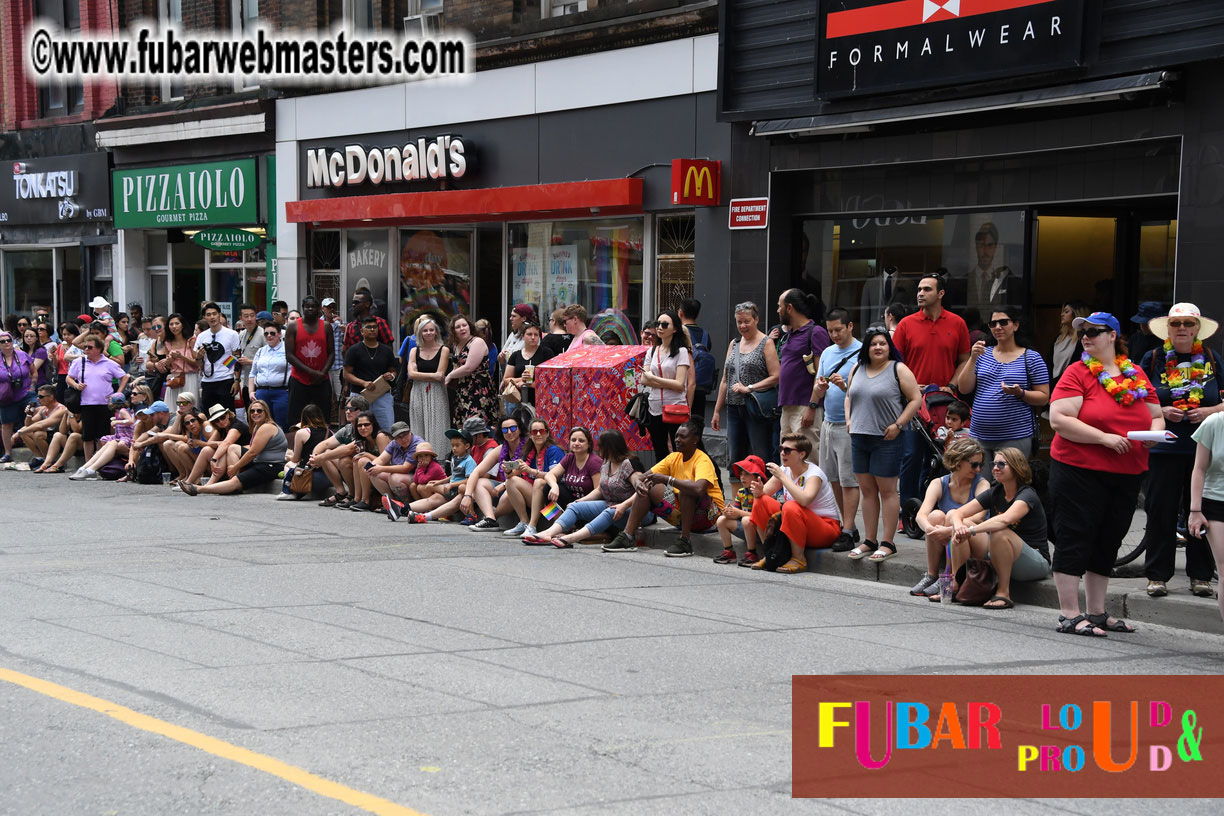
[[1009, 384]]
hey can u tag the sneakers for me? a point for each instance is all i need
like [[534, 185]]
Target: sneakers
[[83, 473], [469, 520], [529, 530], [622, 543], [288, 497], [418, 518], [750, 558], [844, 542], [680, 548], [924, 583], [37, 462], [486, 525], [1201, 589], [517, 530], [5, 459], [1157, 589], [78, 476], [358, 507], [394, 507], [728, 557]]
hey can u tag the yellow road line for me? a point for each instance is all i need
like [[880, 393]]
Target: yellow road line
[[212, 745]]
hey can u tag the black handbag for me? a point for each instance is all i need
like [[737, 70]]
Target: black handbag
[[72, 397], [638, 408], [763, 404]]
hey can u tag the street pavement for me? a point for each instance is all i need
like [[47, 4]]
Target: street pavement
[[237, 655]]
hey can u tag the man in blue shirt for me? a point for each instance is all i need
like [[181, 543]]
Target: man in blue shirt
[[836, 362]]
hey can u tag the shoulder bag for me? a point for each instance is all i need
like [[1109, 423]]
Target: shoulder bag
[[303, 480], [976, 582], [72, 397], [673, 414]]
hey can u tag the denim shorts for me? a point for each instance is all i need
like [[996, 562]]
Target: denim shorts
[[876, 455]]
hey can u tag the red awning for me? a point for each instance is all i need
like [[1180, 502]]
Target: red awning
[[572, 199]]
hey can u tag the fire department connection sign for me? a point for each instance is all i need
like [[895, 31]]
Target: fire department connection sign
[[748, 213], [869, 46]]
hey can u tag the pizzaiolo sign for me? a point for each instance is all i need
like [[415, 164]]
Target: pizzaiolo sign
[[870, 46], [439, 158]]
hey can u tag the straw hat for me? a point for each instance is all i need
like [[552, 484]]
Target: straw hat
[[1160, 325], [425, 449]]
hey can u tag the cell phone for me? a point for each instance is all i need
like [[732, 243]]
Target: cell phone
[[369, 465]]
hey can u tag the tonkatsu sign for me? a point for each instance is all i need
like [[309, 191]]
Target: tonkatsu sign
[[868, 46]]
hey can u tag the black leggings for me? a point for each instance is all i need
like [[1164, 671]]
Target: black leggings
[[662, 434]]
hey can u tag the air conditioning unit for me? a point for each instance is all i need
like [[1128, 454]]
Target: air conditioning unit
[[424, 18]]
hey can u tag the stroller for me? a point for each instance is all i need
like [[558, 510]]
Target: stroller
[[931, 416]]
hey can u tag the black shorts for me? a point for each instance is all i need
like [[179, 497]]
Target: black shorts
[[95, 422], [1092, 514], [1213, 510], [257, 473]]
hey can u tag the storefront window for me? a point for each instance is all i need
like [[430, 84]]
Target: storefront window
[[435, 274], [864, 264], [71, 302], [325, 267], [28, 280], [597, 263], [369, 267]]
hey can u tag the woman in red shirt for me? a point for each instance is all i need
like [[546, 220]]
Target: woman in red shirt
[[1097, 471]]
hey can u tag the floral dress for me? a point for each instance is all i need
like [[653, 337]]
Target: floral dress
[[474, 394]]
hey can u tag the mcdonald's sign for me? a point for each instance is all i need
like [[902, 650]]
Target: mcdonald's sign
[[696, 182]]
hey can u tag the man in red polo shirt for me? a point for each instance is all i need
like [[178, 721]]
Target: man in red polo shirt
[[934, 343]]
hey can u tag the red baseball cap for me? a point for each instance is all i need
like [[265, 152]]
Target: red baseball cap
[[753, 464], [84, 318]]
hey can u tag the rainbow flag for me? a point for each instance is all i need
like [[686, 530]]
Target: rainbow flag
[[551, 511], [230, 361]]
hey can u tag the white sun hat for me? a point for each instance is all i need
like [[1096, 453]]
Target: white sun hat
[[1160, 325]]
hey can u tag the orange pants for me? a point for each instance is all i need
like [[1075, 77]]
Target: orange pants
[[799, 525]]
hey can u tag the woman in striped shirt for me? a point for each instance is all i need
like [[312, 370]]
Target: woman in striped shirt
[[1009, 383]]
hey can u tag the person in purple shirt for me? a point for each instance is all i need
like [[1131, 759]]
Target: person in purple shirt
[[798, 397], [391, 472], [96, 377], [15, 388]]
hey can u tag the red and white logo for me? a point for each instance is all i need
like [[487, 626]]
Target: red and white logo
[[907, 13]]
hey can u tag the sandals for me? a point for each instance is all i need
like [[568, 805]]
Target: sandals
[[190, 489], [333, 500], [863, 550], [537, 541], [1071, 626], [59, 469], [792, 566], [562, 544], [1101, 621], [879, 555], [998, 602]]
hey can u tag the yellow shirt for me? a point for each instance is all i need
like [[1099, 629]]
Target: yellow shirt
[[694, 470]]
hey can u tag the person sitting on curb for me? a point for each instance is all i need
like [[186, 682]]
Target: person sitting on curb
[[230, 436], [1019, 549], [484, 489], [964, 481], [303, 441], [392, 471], [244, 468], [39, 431], [691, 475], [749, 471], [807, 515], [64, 444], [429, 470], [335, 455], [442, 501]]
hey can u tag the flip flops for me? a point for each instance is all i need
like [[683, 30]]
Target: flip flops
[[998, 602]]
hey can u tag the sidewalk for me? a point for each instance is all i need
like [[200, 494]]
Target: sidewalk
[[1127, 597]]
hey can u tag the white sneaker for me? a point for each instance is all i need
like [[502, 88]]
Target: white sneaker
[[92, 475], [528, 530], [288, 497], [79, 475], [516, 530]]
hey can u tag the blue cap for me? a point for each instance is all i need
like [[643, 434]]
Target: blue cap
[[1098, 319], [1148, 310], [265, 315], [118, 398], [156, 407]]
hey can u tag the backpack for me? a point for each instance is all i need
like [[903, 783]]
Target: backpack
[[149, 465], [704, 365]]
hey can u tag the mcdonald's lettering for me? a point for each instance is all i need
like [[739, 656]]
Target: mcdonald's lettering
[[696, 182]]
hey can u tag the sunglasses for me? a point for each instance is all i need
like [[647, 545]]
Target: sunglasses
[[663, 325], [1094, 331], [787, 449], [271, 334], [158, 327], [364, 425], [509, 428], [1183, 324], [1003, 321], [6, 340], [997, 465], [255, 411], [184, 402], [348, 409], [540, 432], [975, 465]]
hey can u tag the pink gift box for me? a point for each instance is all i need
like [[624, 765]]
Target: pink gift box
[[590, 387]]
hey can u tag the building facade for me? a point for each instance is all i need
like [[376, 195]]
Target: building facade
[[1036, 152]]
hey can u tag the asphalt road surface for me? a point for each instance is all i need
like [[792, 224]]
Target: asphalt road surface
[[236, 655]]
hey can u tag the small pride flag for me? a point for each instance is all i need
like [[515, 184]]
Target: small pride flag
[[551, 511], [229, 361]]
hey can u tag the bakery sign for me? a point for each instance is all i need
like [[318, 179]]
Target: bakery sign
[[869, 46]]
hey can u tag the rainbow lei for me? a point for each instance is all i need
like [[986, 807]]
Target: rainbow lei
[[1125, 392], [1186, 384]]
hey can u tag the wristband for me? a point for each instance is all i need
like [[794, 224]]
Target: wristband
[[1192, 510]]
